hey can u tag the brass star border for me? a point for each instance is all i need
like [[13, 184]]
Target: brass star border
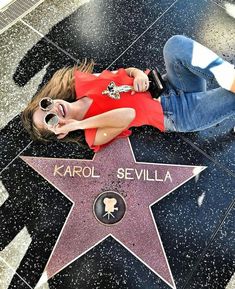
[[140, 184]]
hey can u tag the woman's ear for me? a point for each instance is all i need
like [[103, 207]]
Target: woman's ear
[[61, 135]]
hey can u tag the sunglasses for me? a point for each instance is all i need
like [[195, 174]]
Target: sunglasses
[[51, 118]]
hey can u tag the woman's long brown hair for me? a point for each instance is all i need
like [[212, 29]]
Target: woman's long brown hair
[[60, 86]]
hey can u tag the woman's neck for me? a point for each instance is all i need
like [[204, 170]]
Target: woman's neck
[[80, 107]]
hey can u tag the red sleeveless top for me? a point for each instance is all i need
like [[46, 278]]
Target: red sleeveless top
[[148, 111]]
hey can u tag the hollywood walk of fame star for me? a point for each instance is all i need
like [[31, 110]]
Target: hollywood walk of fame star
[[113, 170]]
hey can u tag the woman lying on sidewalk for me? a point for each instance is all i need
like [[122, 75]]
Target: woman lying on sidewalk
[[107, 105]]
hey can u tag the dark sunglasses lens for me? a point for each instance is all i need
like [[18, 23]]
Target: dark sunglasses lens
[[46, 103], [51, 119]]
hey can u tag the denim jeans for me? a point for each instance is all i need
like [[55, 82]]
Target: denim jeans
[[186, 103]]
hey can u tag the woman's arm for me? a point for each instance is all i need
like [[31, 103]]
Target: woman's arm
[[120, 120], [116, 118], [106, 134], [109, 124], [133, 72], [141, 81]]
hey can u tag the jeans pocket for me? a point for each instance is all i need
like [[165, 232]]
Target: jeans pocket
[[165, 102], [169, 123]]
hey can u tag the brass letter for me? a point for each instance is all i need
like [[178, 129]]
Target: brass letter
[[127, 173], [89, 172], [120, 173], [77, 170], [138, 174], [156, 179], [68, 170], [93, 173], [147, 178], [56, 168], [168, 176]]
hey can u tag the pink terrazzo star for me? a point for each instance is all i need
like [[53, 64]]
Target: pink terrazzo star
[[113, 169]]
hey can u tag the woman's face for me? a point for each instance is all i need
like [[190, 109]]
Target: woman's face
[[59, 107]]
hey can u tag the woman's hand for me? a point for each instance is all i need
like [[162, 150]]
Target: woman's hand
[[64, 127], [141, 82]]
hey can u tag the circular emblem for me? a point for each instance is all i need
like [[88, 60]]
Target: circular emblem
[[109, 208]]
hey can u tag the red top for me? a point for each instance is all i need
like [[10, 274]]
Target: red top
[[148, 111]]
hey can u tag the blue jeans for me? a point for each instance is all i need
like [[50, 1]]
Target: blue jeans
[[186, 103]]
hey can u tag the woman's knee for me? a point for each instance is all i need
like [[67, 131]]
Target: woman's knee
[[176, 45]]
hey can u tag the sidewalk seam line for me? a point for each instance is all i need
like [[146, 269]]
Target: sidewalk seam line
[[50, 41], [143, 33]]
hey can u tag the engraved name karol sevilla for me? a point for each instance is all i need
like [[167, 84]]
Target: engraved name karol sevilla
[[121, 173]]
